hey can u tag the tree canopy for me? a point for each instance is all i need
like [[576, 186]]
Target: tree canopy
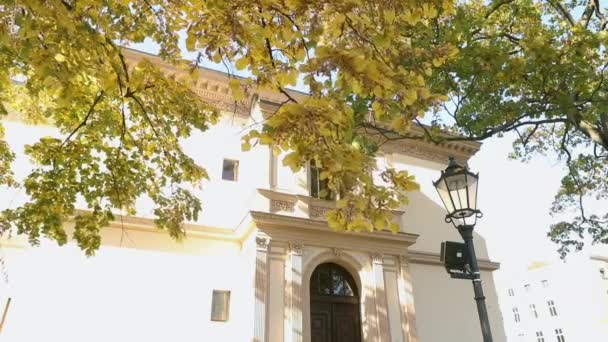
[[476, 68]]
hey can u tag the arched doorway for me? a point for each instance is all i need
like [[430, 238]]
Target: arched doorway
[[334, 305]]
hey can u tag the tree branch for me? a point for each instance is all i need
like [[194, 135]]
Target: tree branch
[[600, 15], [86, 118], [507, 127], [587, 13], [496, 6], [559, 7]]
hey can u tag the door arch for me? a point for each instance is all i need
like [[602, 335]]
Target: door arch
[[334, 305]]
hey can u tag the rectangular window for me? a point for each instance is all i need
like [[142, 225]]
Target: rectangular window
[[540, 337], [318, 187], [533, 312], [560, 335], [545, 283], [230, 170], [516, 315], [220, 305], [552, 309], [511, 293]]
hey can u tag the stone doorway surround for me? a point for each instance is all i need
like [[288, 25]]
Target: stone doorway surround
[[288, 249]]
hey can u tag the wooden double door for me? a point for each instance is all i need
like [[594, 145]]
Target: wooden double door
[[334, 322], [334, 305]]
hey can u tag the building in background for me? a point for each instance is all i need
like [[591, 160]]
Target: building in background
[[563, 301], [260, 265]]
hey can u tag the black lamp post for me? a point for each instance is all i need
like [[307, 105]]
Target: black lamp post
[[457, 188]]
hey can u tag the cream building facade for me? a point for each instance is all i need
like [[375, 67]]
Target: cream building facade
[[261, 239]]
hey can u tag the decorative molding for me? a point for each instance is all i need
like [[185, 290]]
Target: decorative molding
[[317, 233], [296, 248], [316, 212], [213, 87], [337, 251], [377, 258], [262, 243], [429, 258], [277, 205]]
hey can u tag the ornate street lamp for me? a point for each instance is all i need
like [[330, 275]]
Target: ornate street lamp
[[457, 188]]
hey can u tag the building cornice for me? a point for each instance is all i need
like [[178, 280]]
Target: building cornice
[[213, 87], [313, 232]]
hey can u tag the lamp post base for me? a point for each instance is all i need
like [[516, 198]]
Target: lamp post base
[[466, 232]]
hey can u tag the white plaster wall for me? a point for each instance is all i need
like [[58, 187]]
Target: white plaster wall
[[225, 203], [446, 309], [145, 292]]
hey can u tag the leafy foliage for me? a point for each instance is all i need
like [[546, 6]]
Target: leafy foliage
[[123, 123], [530, 67], [481, 68]]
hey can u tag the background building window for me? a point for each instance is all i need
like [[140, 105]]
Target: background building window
[[230, 170], [552, 309], [511, 293], [516, 315], [560, 335], [533, 311], [220, 305], [540, 337], [545, 283]]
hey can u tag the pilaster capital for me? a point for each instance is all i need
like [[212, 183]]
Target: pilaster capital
[[262, 243], [296, 248], [377, 258]]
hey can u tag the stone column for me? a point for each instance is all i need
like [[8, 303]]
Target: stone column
[[295, 287], [261, 288], [380, 294], [406, 299]]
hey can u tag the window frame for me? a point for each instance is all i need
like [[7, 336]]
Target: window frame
[[540, 337], [235, 169], [223, 316], [533, 310], [516, 315], [552, 309], [321, 184]]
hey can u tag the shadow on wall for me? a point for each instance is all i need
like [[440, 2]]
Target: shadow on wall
[[425, 217]]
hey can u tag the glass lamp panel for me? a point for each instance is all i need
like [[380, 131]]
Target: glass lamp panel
[[460, 198], [473, 192], [456, 181], [444, 194]]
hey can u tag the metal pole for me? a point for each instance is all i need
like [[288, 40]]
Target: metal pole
[[466, 232]]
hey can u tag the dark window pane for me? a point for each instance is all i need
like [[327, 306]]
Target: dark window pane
[[332, 280], [337, 283], [314, 181], [348, 291], [325, 287], [230, 170]]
